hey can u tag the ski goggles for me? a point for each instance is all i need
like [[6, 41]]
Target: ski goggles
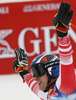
[[39, 69]]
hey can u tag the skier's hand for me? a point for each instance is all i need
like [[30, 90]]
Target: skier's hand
[[62, 19], [20, 69], [20, 65], [21, 57]]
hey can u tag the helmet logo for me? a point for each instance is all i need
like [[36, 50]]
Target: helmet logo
[[44, 59], [50, 70]]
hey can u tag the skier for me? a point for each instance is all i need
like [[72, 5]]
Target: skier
[[51, 77]]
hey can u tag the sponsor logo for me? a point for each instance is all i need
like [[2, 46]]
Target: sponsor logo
[[51, 93], [41, 7], [7, 52], [5, 49]]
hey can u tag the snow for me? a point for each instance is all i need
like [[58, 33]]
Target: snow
[[13, 88]]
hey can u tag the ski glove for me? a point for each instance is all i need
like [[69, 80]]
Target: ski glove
[[20, 65], [62, 19]]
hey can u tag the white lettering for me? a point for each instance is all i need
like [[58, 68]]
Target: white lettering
[[4, 10], [41, 7], [48, 39], [35, 42]]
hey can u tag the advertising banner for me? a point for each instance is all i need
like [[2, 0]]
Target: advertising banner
[[29, 25]]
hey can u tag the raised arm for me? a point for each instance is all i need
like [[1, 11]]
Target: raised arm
[[21, 67], [66, 80]]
